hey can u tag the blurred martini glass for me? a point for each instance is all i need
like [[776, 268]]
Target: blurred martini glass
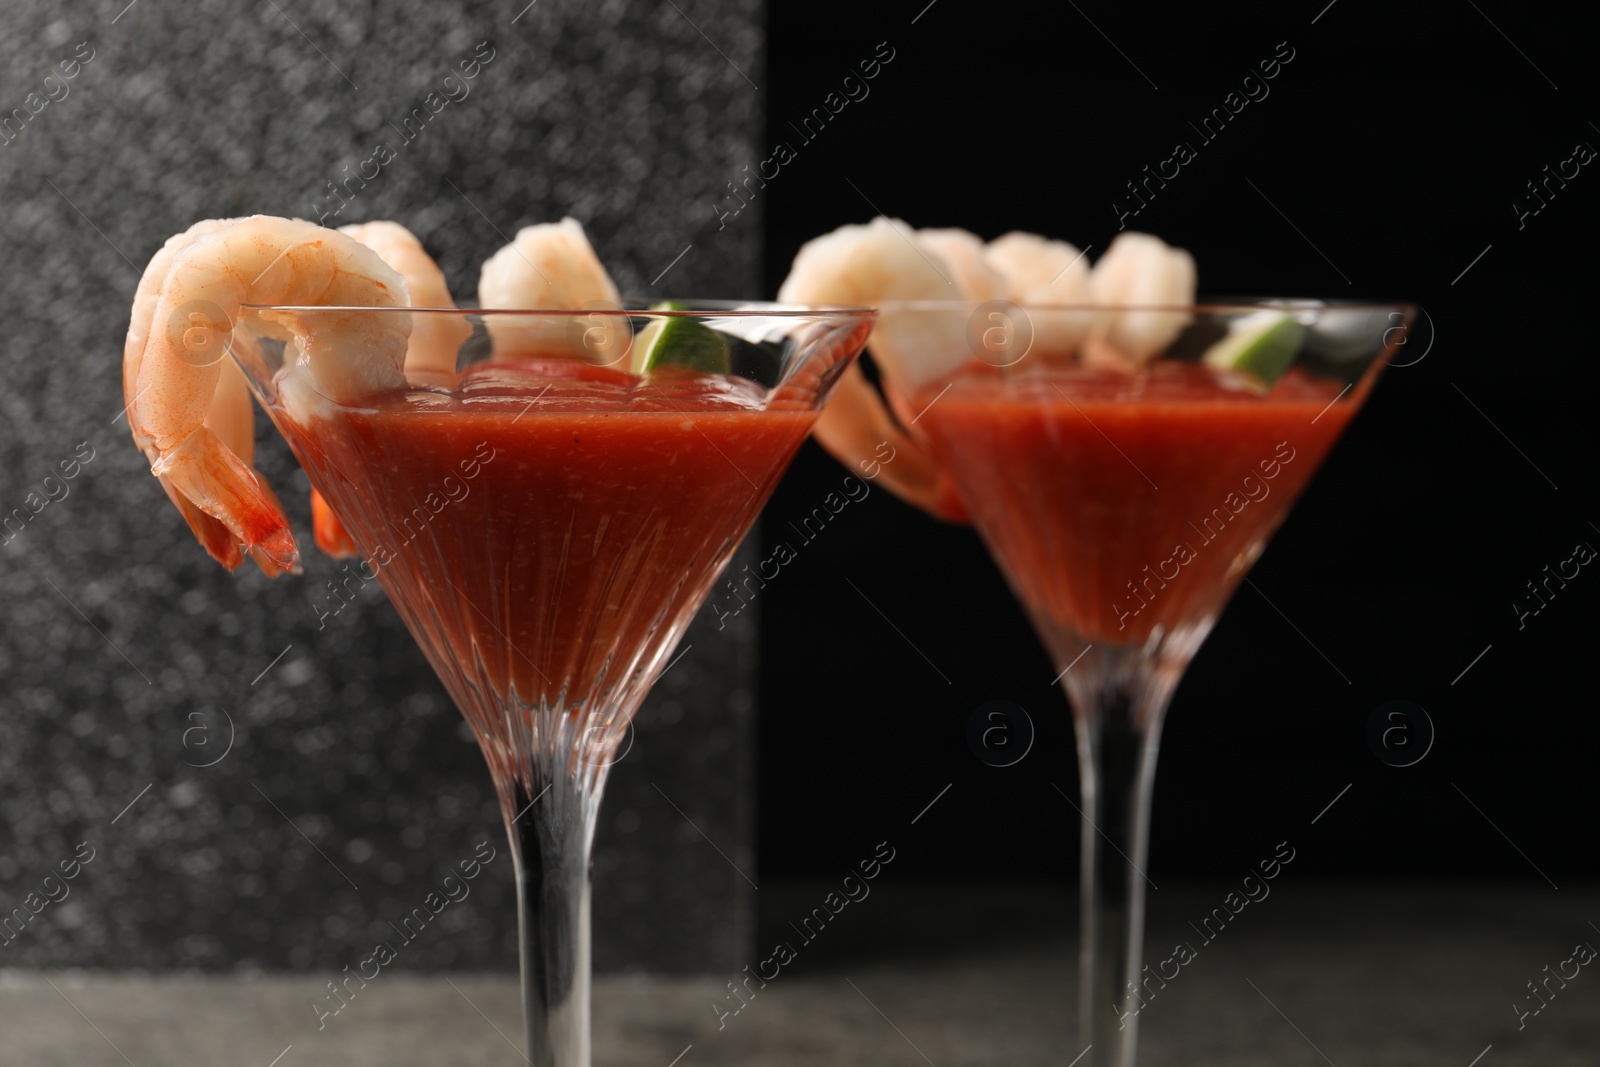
[[1124, 507], [547, 523]]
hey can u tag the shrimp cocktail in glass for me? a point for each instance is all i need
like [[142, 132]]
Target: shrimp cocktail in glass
[[1125, 453], [616, 457]]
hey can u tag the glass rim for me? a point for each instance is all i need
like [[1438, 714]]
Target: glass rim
[[1220, 306], [706, 309]]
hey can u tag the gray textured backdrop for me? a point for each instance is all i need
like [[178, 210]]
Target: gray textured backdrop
[[119, 635]]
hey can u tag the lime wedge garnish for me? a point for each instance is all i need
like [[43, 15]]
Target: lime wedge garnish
[[671, 341], [1262, 345]]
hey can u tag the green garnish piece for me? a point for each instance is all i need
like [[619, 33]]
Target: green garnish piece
[[1262, 345], [679, 342]]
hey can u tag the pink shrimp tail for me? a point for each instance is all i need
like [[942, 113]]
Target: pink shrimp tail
[[331, 535], [230, 509], [214, 537], [855, 424]]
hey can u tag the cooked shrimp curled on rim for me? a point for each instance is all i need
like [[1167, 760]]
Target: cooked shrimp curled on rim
[[551, 266], [187, 402], [1118, 315], [869, 265], [431, 357]]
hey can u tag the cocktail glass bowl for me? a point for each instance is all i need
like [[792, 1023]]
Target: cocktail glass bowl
[[547, 521]]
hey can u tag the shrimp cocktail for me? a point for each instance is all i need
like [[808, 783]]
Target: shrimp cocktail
[[1126, 454], [615, 459]]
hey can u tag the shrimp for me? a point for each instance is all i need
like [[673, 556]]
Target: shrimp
[[974, 275], [435, 339], [1038, 270], [188, 408], [1042, 273], [435, 343], [885, 261], [1139, 269], [868, 265], [229, 412], [552, 266]]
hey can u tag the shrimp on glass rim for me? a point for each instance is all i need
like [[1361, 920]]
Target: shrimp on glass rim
[[884, 263], [865, 266], [436, 340], [548, 265], [188, 405], [432, 354], [552, 266]]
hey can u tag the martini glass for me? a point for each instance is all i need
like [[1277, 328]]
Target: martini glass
[[1124, 508], [547, 523]]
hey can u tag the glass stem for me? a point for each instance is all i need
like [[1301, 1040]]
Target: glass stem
[[1119, 699], [551, 827]]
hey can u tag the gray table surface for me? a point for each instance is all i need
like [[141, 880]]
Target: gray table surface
[[949, 975]]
